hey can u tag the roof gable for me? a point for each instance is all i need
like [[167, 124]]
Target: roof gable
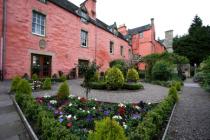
[[139, 29]]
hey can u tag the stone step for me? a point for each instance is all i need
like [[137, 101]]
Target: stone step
[[12, 129]]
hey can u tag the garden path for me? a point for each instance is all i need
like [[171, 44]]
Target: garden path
[[150, 93], [191, 119], [11, 126]]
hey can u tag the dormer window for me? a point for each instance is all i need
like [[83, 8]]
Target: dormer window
[[43, 1], [84, 16], [141, 35]]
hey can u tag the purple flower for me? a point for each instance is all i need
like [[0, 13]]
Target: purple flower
[[106, 113], [61, 120], [89, 118], [56, 112], [135, 116], [61, 113]]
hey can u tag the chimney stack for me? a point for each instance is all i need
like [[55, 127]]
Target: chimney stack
[[123, 29], [152, 21], [91, 8], [168, 42]]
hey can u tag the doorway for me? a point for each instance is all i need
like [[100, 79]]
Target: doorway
[[82, 65], [41, 65]]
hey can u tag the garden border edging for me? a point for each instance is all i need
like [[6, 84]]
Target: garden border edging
[[25, 122], [168, 124]]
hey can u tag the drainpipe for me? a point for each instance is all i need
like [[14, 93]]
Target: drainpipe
[[4, 25]]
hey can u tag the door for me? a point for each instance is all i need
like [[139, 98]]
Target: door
[[82, 65], [41, 65]]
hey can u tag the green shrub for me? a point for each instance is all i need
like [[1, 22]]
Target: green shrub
[[199, 77], [63, 78], [114, 78], [173, 93], [23, 87], [63, 91], [107, 129], [162, 71], [178, 86], [120, 64], [132, 75], [47, 84], [133, 86], [35, 77], [98, 85], [96, 77], [15, 82], [141, 74]]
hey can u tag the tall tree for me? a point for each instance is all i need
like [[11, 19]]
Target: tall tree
[[196, 45]]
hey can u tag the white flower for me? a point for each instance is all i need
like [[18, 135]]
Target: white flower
[[71, 96], [117, 117], [95, 99], [137, 107], [121, 105], [79, 98], [94, 108], [88, 111], [70, 104], [46, 96], [61, 116], [149, 103], [68, 117], [83, 110], [125, 126], [80, 108], [75, 117], [53, 102]]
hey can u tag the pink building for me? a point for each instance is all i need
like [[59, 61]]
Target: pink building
[[47, 36], [143, 40]]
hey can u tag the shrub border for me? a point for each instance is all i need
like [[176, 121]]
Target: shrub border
[[24, 120]]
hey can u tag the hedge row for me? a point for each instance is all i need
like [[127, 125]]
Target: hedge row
[[102, 85], [153, 122]]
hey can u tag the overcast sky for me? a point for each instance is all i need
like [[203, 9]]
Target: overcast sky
[[174, 15]]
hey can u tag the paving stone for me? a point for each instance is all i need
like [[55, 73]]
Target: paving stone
[[7, 109], [9, 117], [11, 129]]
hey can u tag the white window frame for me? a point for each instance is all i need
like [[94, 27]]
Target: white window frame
[[122, 50], [141, 35], [111, 47], [38, 24], [84, 39]]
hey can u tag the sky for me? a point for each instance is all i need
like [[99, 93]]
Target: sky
[[174, 15]]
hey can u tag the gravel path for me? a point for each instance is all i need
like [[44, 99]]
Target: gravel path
[[150, 93], [191, 120], [11, 126]]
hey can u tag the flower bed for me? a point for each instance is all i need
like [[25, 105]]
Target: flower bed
[[79, 114]]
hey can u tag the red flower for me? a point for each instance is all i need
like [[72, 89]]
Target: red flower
[[69, 125], [83, 100], [121, 111]]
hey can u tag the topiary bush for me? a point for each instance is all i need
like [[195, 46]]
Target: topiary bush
[[132, 75], [133, 86], [47, 85], [95, 77], [107, 129], [24, 88], [178, 86], [63, 91], [121, 64], [35, 77], [15, 82], [162, 70], [114, 78], [62, 78], [173, 93]]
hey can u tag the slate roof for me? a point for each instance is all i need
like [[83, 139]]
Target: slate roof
[[69, 6], [139, 29]]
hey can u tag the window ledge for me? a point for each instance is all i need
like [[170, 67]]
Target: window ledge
[[38, 35], [83, 46]]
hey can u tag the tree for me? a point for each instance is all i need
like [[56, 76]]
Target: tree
[[195, 45]]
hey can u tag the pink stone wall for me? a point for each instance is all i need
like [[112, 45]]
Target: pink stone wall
[[62, 38]]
